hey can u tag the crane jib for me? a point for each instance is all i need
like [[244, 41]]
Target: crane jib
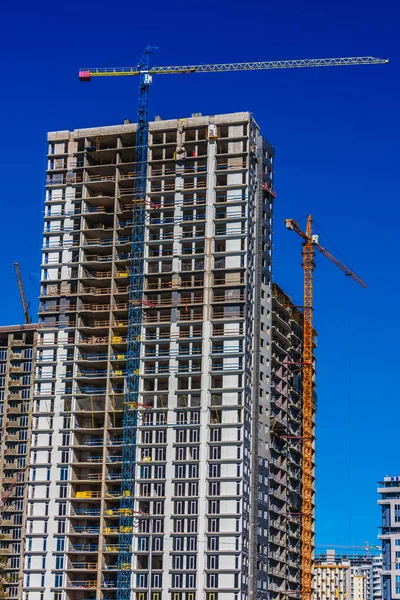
[[87, 73]]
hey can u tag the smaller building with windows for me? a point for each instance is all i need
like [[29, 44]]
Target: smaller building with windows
[[389, 489], [17, 358]]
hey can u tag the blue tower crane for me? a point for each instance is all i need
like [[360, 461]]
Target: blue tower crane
[[131, 402], [131, 399]]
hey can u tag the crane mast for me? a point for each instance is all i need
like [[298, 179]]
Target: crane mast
[[308, 419], [131, 400], [310, 244], [131, 403]]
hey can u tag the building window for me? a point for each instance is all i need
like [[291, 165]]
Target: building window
[[193, 489], [180, 506], [192, 525], [141, 580], [192, 544], [157, 544], [213, 525], [178, 525], [62, 509], [180, 471], [212, 580], [156, 581], [177, 544], [177, 562], [60, 544], [59, 562], [193, 471], [213, 544], [192, 508], [158, 525], [177, 580], [61, 526]]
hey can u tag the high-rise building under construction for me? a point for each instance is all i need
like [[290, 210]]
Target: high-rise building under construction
[[207, 489], [17, 365]]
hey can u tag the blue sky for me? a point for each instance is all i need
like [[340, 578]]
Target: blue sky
[[336, 134]]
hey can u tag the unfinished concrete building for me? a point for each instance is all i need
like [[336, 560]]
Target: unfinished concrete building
[[17, 363], [216, 494], [285, 462]]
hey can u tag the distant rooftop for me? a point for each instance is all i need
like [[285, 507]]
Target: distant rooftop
[[390, 479]]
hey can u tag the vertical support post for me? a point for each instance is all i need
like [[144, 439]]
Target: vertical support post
[[308, 419]]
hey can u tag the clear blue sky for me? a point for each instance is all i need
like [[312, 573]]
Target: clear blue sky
[[336, 134]]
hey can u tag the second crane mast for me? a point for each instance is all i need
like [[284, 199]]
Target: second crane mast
[[136, 270]]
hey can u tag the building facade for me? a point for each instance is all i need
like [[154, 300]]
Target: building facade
[[358, 584], [17, 365], [370, 567], [285, 462], [203, 436], [331, 577], [377, 577], [355, 576], [389, 490]]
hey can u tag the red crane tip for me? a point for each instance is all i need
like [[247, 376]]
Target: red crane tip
[[84, 75]]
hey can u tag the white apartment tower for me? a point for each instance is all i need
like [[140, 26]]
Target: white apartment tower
[[389, 490], [202, 440]]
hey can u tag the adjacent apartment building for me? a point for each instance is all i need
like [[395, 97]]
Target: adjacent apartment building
[[332, 579], [17, 365], [285, 444], [217, 495], [389, 490], [353, 576], [377, 577]]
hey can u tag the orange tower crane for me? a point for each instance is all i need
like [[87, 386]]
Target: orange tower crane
[[310, 244]]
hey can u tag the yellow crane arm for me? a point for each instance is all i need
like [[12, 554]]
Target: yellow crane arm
[[86, 74], [25, 304], [291, 224], [345, 270], [308, 237]]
